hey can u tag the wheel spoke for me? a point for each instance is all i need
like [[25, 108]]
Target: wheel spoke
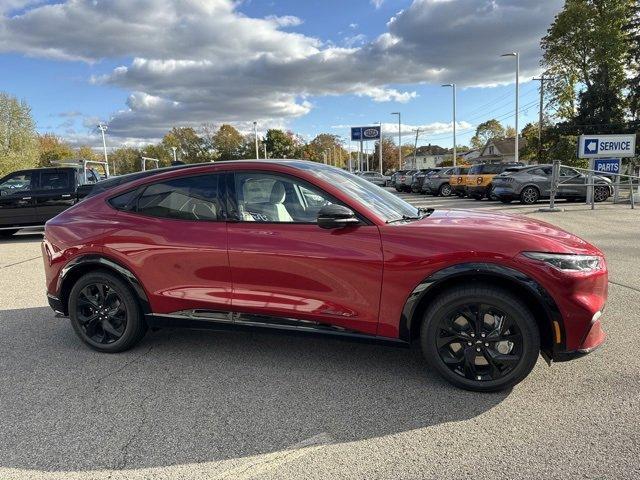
[[109, 328]]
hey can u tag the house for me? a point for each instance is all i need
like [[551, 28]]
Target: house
[[500, 150], [427, 156]]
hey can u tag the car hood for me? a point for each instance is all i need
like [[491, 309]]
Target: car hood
[[499, 232]]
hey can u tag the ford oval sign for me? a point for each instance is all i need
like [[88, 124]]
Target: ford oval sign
[[365, 133]]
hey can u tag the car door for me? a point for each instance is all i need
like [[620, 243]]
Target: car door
[[173, 234], [17, 206], [569, 184], [286, 267], [54, 193]]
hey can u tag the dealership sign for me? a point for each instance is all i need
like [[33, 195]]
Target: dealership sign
[[602, 146], [361, 134], [607, 165]]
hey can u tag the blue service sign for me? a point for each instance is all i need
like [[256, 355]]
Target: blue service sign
[[602, 146], [607, 165], [365, 133]]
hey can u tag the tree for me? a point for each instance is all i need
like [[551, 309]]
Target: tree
[[585, 50], [323, 145], [18, 141], [491, 129], [87, 153], [633, 32], [127, 159], [226, 142], [190, 146], [281, 144], [53, 149]]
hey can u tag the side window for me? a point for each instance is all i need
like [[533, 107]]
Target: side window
[[56, 180], [567, 172], [269, 198], [16, 183], [189, 198]]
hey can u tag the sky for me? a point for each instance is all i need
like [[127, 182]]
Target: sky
[[311, 66]]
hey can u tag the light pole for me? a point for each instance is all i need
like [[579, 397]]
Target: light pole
[[103, 128], [255, 134], [175, 158], [517, 55], [455, 152], [399, 139], [380, 149]]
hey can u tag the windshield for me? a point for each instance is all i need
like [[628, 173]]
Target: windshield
[[383, 203]]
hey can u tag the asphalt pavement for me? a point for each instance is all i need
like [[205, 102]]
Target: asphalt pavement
[[231, 405]]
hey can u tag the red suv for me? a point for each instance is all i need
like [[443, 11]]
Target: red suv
[[304, 247]]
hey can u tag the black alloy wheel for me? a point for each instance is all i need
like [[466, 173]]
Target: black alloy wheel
[[445, 190], [600, 194], [480, 338], [529, 195], [104, 312]]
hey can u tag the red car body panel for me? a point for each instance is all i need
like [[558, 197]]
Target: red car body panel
[[358, 278]]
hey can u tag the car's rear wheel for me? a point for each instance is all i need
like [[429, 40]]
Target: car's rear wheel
[[529, 195], [445, 190], [480, 338], [105, 313]]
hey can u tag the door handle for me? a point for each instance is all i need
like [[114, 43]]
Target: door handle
[[66, 195], [26, 198]]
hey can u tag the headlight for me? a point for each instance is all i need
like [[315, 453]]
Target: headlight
[[567, 262]]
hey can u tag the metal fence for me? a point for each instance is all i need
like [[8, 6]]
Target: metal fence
[[621, 184]]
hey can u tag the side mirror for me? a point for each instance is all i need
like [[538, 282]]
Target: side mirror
[[336, 216]]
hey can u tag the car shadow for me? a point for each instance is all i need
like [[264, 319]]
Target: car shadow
[[186, 396]]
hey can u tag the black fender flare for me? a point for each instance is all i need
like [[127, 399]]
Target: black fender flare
[[83, 262], [479, 271]]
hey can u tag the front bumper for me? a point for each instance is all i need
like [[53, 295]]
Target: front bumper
[[593, 340], [505, 193]]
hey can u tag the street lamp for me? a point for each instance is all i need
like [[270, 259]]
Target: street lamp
[[103, 128], [399, 140], [255, 134], [517, 55], [455, 156], [380, 148]]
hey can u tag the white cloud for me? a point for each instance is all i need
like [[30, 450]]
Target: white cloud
[[198, 61], [377, 3]]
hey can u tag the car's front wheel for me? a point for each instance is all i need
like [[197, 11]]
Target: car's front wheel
[[600, 194], [445, 190], [105, 313], [480, 338]]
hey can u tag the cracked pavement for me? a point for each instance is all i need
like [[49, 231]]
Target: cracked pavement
[[205, 404]]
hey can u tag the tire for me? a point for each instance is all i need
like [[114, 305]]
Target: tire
[[445, 190], [505, 200], [8, 233], [529, 195], [477, 197], [600, 194], [518, 340], [125, 325]]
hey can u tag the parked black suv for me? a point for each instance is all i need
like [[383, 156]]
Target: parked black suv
[[31, 197]]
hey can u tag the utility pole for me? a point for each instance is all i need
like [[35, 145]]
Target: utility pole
[[542, 79], [399, 139], [415, 149], [175, 158], [265, 151], [517, 56], [455, 153], [255, 134], [103, 128]]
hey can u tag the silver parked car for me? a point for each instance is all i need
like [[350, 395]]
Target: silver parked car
[[438, 182], [530, 184], [376, 178]]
